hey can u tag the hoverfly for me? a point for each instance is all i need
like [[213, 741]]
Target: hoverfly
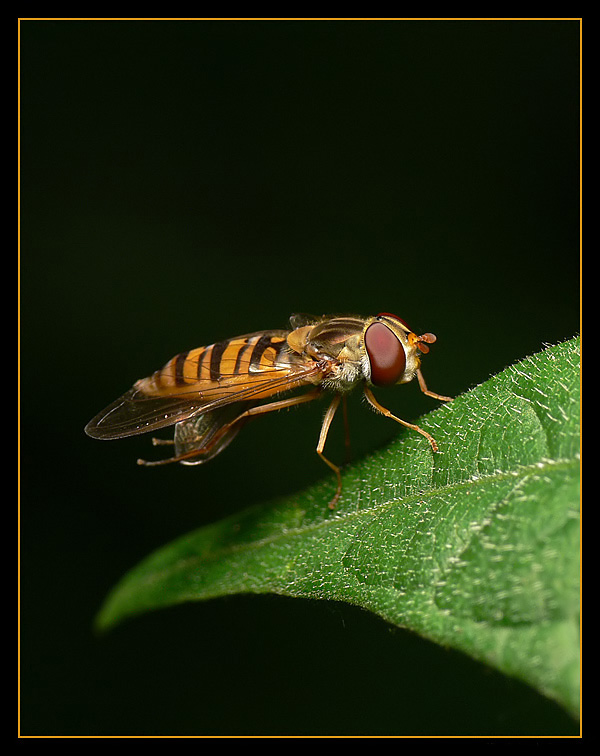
[[209, 393]]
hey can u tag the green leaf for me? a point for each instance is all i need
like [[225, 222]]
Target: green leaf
[[475, 547]]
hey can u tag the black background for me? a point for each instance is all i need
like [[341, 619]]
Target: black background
[[184, 182]]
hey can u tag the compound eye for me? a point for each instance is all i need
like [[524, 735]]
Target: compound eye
[[386, 354]]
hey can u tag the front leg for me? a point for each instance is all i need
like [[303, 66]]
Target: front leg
[[375, 404]]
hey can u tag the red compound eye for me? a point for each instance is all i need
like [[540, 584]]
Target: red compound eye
[[386, 354]]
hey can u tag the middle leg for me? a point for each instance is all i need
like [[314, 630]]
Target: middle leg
[[329, 415]]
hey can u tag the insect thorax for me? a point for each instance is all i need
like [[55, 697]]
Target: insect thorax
[[344, 376]]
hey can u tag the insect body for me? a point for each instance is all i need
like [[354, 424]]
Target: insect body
[[209, 393]]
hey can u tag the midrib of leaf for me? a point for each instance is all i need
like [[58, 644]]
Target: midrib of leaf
[[522, 473]]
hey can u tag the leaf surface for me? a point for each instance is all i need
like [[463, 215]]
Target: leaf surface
[[475, 547]]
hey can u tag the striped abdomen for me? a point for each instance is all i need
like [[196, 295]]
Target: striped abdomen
[[231, 362]]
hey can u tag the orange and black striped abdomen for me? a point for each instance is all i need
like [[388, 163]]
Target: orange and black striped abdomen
[[227, 363]]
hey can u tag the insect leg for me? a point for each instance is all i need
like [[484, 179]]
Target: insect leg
[[375, 404], [324, 428], [168, 460], [321, 445], [226, 432], [281, 404], [427, 392], [346, 427], [201, 438]]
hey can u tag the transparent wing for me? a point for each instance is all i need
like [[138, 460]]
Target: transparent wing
[[136, 412], [205, 436], [299, 319]]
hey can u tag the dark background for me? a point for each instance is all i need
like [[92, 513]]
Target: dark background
[[184, 182]]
